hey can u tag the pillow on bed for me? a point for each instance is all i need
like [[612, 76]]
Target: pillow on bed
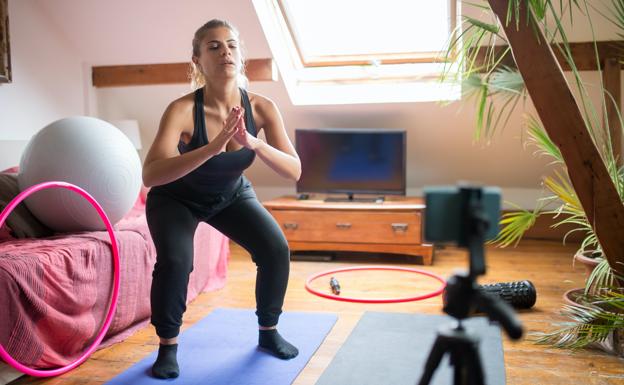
[[22, 222], [11, 170], [5, 233]]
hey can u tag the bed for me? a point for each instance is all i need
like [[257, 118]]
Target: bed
[[54, 288]]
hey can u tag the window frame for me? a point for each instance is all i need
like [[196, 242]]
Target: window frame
[[393, 80], [365, 59]]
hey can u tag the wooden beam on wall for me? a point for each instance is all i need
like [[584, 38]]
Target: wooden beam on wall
[[583, 54], [170, 73], [564, 123]]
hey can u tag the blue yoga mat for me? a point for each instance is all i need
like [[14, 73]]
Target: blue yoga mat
[[221, 349]]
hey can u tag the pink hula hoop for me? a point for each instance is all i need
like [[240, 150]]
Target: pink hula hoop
[[115, 292], [376, 300]]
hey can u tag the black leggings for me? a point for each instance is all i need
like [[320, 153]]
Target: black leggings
[[239, 216]]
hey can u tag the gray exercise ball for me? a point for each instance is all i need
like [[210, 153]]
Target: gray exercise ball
[[87, 152]]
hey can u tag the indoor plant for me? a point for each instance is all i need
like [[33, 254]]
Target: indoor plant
[[589, 167]]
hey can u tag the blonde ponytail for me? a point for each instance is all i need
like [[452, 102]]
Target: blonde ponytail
[[196, 76]]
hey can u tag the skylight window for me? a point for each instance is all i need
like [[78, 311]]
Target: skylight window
[[355, 51], [329, 30]]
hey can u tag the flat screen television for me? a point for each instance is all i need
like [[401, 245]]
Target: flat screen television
[[351, 161]]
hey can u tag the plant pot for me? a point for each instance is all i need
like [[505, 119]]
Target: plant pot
[[589, 259], [614, 343], [571, 296]]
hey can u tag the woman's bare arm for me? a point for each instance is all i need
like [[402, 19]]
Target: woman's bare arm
[[163, 163], [277, 152]]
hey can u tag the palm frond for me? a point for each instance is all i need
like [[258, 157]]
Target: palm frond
[[612, 299], [491, 28], [507, 80], [514, 225], [573, 214], [618, 7], [562, 188], [589, 242], [535, 12], [615, 15], [601, 277], [506, 111], [588, 325], [507, 84], [465, 47], [538, 7], [539, 138]]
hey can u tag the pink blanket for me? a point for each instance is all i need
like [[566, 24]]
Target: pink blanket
[[54, 292]]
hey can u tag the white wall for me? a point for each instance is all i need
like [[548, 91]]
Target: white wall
[[440, 145], [47, 78]]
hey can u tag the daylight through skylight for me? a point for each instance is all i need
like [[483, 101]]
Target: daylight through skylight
[[357, 27]]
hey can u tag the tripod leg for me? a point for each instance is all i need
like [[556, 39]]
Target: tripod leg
[[460, 370], [435, 356], [475, 368], [465, 360]]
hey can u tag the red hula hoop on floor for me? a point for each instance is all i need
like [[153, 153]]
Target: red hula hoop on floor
[[376, 300]]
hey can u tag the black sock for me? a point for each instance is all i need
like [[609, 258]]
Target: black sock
[[166, 365], [272, 341]]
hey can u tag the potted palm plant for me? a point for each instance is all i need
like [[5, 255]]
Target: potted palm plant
[[584, 148]]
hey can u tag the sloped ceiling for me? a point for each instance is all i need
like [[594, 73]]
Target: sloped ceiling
[[109, 32]]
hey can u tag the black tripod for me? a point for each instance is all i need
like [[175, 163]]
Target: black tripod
[[462, 296]]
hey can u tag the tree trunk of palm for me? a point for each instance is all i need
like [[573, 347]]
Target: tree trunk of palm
[[562, 119]]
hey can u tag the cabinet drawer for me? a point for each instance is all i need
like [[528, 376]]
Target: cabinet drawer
[[349, 226]]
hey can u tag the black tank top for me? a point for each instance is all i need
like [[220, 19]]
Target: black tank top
[[223, 172]]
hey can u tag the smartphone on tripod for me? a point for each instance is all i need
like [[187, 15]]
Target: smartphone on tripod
[[467, 216]]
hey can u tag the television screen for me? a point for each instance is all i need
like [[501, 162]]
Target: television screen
[[351, 161]]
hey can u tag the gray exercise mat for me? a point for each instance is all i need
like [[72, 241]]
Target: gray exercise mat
[[392, 348]]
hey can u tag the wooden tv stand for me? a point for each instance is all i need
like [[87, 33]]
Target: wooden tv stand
[[392, 226]]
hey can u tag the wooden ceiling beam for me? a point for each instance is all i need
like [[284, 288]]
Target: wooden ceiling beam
[[170, 73]]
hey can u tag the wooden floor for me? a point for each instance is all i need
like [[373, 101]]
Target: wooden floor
[[547, 264]]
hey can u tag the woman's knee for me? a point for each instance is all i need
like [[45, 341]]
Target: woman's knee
[[276, 251], [174, 262], [278, 245]]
